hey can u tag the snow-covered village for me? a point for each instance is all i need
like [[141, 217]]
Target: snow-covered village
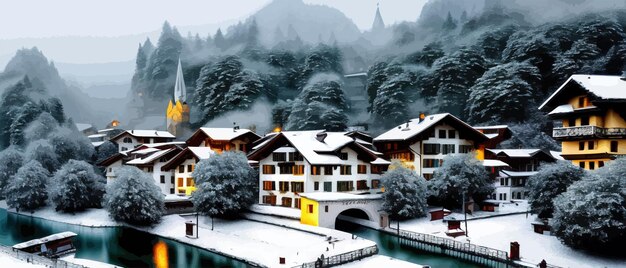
[[313, 133]]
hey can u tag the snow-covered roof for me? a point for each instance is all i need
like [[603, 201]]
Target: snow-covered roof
[[557, 155], [145, 151], [355, 75], [508, 173], [150, 158], [516, 153], [95, 136], [336, 196], [608, 87], [494, 163], [568, 108], [106, 130], [97, 143], [491, 136], [307, 144], [491, 127], [416, 126], [159, 144], [380, 161], [201, 152], [224, 134], [43, 240], [149, 134], [82, 127]]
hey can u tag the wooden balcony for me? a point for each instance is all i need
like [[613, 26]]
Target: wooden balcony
[[587, 132]]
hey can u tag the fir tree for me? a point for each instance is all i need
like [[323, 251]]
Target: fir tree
[[460, 174], [405, 193], [550, 181], [134, 198], [75, 187], [376, 76], [27, 189], [42, 152], [10, 161], [450, 23], [219, 40]]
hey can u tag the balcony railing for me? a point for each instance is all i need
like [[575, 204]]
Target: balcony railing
[[587, 131]]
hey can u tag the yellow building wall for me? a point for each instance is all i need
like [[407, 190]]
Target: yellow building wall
[[480, 152], [305, 216], [614, 120], [601, 146]]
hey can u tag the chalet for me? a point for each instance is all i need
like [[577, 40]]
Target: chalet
[[510, 181], [182, 166], [496, 134], [149, 158], [421, 143], [130, 139], [296, 162], [590, 119]]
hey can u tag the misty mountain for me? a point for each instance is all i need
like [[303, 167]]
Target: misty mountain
[[285, 19]]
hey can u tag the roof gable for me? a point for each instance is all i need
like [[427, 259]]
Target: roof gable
[[600, 87], [221, 134], [417, 129]]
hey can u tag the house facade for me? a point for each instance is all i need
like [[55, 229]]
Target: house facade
[[130, 139], [296, 162], [589, 112], [422, 143]]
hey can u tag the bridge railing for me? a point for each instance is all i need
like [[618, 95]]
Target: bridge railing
[[341, 258], [36, 259]]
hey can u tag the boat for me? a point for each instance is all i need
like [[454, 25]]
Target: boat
[[52, 246]]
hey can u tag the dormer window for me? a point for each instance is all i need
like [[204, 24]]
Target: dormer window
[[127, 140], [343, 156]]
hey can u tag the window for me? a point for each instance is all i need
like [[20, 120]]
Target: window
[[269, 185], [171, 190], [614, 146], [285, 202], [591, 145], [190, 182], [361, 169], [375, 184], [447, 149], [571, 122], [269, 199], [283, 186], [346, 170], [110, 169], [172, 179], [428, 176], [344, 186], [286, 169], [343, 156], [316, 170], [328, 186], [328, 170], [584, 121], [581, 102], [431, 149], [388, 146], [376, 169], [326, 209], [297, 202], [404, 156], [431, 134], [189, 168], [127, 140], [502, 182], [316, 186], [180, 182], [298, 170], [181, 169], [581, 164], [295, 156], [442, 134], [162, 179], [297, 187], [600, 163], [310, 208], [431, 163], [451, 134], [395, 146], [269, 169], [279, 157], [464, 149], [361, 185], [581, 145], [592, 165], [150, 169]]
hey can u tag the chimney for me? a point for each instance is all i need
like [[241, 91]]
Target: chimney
[[235, 127], [321, 136], [422, 117]]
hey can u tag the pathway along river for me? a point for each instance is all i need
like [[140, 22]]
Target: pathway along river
[[128, 247]]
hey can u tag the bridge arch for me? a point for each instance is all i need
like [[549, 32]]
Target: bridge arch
[[323, 209]]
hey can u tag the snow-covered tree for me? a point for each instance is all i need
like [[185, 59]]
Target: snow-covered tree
[[426, 56], [43, 152], [134, 198], [591, 214], [459, 174], [321, 100], [405, 193], [390, 106], [551, 180], [75, 187], [106, 150], [10, 161], [450, 23], [322, 59], [226, 185], [23, 117], [376, 76], [27, 189], [41, 127], [69, 144]]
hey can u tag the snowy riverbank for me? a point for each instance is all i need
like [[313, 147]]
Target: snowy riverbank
[[8, 261]]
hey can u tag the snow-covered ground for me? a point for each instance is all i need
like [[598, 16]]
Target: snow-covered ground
[[276, 211], [90, 217], [499, 232], [379, 261], [8, 261]]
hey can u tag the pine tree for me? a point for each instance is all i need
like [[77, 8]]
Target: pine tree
[[23, 117], [161, 69], [450, 23], [219, 40], [426, 56], [322, 94], [460, 174], [405, 193], [391, 103], [56, 109], [550, 181], [376, 76], [41, 127], [134, 198], [27, 189]]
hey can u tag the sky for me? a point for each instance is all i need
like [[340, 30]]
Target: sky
[[45, 18]]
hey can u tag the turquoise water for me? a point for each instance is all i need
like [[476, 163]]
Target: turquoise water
[[116, 245]]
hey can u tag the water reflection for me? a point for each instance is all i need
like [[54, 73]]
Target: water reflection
[[160, 255]]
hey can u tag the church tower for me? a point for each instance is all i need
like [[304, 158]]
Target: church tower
[[378, 24], [177, 115]]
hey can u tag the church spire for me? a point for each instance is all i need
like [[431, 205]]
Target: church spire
[[378, 20], [180, 91]]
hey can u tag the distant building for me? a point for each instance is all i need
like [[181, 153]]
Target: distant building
[[86, 129], [378, 24], [496, 134], [177, 114], [422, 143], [589, 113], [292, 163], [130, 139], [355, 89]]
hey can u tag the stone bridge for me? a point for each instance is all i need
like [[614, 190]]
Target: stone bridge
[[322, 209]]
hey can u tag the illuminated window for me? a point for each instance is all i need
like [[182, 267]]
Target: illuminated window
[[297, 202], [298, 170], [190, 182], [361, 169], [269, 169], [269, 199], [269, 185], [316, 170], [189, 168]]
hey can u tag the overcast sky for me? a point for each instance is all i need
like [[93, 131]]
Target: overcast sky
[[45, 18]]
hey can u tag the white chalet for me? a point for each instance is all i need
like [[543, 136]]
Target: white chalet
[[130, 139], [296, 162], [422, 143]]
